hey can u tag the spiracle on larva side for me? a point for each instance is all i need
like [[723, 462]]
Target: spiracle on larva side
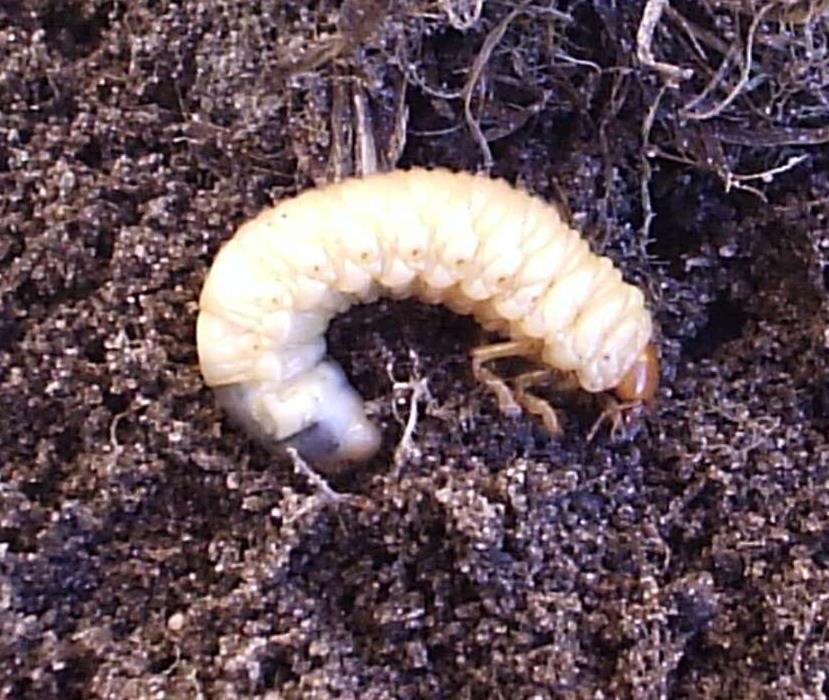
[[475, 244]]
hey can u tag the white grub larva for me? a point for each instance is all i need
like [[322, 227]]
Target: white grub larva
[[475, 244]]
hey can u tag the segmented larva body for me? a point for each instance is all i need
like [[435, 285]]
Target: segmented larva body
[[477, 245]]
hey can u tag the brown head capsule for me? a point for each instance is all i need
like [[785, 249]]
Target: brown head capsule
[[642, 379]]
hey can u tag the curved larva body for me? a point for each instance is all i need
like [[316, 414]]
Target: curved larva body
[[477, 245]]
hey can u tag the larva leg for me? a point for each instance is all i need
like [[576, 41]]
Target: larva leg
[[613, 413], [534, 404], [498, 351]]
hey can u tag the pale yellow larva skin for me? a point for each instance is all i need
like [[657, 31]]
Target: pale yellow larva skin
[[475, 244]]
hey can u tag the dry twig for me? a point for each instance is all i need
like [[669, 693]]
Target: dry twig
[[647, 171], [491, 41]]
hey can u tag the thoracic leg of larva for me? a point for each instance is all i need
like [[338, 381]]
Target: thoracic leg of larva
[[497, 351], [534, 404], [613, 413]]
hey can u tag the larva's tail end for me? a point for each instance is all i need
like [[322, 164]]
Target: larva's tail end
[[359, 443], [642, 379], [332, 451]]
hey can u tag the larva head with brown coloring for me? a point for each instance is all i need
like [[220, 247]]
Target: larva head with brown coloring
[[642, 379]]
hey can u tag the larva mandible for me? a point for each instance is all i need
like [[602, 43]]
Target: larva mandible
[[475, 244]]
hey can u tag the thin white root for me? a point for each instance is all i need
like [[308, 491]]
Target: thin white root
[[737, 181], [324, 492], [321, 485], [647, 171], [465, 19], [418, 386], [718, 108], [673, 75]]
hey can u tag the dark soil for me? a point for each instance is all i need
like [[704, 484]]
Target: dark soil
[[149, 549]]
